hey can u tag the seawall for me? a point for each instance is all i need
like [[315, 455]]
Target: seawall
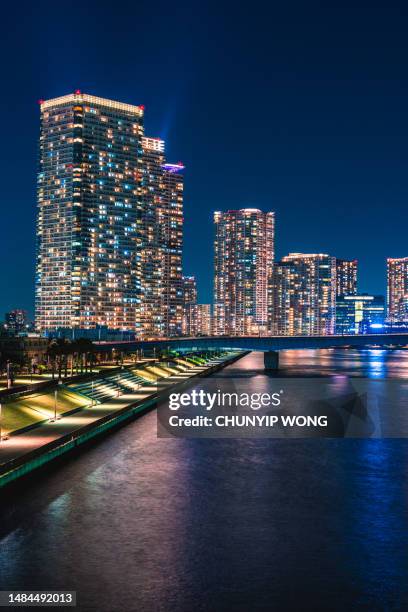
[[24, 463]]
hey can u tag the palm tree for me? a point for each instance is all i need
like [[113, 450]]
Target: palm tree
[[52, 354], [84, 347], [57, 352]]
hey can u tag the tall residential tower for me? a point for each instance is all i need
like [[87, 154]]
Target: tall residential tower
[[89, 206], [243, 262], [109, 221], [189, 303], [346, 276], [397, 290], [304, 295], [172, 293], [161, 242]]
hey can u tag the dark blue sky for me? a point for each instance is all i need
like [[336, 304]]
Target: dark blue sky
[[296, 107]]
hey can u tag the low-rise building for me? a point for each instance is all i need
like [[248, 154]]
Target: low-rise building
[[28, 349], [359, 314]]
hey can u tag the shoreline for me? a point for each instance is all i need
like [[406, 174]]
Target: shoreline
[[26, 462]]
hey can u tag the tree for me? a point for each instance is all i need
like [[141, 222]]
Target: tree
[[58, 350], [85, 348]]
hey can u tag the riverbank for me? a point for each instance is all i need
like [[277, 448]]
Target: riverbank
[[25, 452]]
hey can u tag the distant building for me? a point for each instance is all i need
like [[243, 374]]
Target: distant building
[[346, 276], [203, 320], [16, 321], [243, 264], [303, 295], [30, 349], [152, 250], [161, 304], [199, 318], [359, 314], [397, 290], [189, 302], [172, 219]]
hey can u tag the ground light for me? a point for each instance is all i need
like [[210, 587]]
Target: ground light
[[2, 438]]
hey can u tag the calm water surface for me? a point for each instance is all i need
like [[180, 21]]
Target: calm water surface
[[140, 523]]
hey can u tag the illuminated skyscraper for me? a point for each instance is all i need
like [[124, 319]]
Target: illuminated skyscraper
[[346, 276], [189, 302], [189, 290], [172, 291], [89, 213], [304, 295], [152, 243], [244, 253], [161, 243], [109, 221], [200, 320], [397, 290]]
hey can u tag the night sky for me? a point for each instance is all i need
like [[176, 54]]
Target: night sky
[[296, 107]]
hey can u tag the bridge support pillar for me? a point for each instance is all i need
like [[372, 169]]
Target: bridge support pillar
[[271, 360]]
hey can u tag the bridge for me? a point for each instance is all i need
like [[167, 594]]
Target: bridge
[[269, 345]]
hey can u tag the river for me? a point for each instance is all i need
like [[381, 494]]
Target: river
[[137, 523]]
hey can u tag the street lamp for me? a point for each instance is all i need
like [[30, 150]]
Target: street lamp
[[9, 375], [56, 418]]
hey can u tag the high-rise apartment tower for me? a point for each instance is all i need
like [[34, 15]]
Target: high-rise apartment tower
[[243, 264]]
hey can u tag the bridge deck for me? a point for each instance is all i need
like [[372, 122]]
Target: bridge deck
[[264, 343]]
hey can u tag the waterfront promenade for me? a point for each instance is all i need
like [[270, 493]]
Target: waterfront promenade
[[21, 453]]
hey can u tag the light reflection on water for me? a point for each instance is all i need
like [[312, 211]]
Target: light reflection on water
[[140, 523], [371, 362]]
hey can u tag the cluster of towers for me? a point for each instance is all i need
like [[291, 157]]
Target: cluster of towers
[[253, 294], [110, 238], [302, 294]]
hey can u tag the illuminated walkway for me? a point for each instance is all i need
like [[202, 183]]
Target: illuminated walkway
[[25, 447]]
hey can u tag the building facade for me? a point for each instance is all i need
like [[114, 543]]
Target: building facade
[[89, 213], [152, 243], [172, 292], [243, 265], [359, 314], [109, 223], [346, 276], [397, 290], [303, 292], [189, 302], [162, 243], [201, 320], [26, 350]]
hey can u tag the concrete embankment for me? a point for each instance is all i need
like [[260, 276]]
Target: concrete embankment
[[25, 452]]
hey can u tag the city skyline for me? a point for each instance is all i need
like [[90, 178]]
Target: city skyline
[[317, 137], [110, 232], [204, 314], [110, 229], [152, 148]]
